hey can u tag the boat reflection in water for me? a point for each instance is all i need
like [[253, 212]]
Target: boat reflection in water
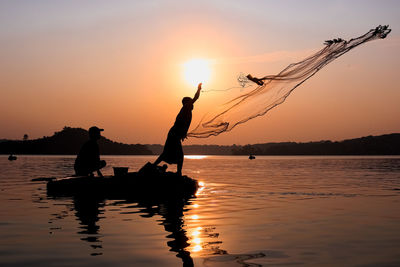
[[89, 209], [172, 214], [193, 238]]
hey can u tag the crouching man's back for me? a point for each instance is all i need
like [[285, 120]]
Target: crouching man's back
[[88, 159]]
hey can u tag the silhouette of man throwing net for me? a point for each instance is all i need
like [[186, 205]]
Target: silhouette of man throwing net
[[88, 159], [173, 153]]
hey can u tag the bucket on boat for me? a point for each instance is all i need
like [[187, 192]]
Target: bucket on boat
[[120, 171]]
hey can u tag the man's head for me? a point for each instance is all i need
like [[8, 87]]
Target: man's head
[[94, 132], [187, 101]]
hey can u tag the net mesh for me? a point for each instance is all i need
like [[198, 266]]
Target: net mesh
[[272, 90]]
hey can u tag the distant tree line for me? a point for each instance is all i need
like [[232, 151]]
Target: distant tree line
[[69, 141], [371, 145]]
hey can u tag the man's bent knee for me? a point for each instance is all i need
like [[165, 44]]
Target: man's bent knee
[[102, 164]]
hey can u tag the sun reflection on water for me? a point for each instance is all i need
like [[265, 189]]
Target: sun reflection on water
[[195, 233], [195, 156], [203, 238], [197, 248], [195, 240], [200, 189]]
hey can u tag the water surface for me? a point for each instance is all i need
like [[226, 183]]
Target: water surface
[[306, 211]]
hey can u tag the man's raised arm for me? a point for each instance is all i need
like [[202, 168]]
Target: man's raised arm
[[196, 96]]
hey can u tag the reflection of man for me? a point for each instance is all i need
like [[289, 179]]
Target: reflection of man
[[172, 219], [88, 159]]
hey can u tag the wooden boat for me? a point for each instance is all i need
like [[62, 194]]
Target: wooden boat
[[149, 182]]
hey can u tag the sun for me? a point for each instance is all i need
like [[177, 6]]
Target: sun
[[197, 71]]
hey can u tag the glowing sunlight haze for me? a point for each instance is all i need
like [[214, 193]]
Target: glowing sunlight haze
[[197, 71]]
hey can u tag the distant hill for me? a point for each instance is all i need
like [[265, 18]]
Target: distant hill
[[388, 144], [68, 142]]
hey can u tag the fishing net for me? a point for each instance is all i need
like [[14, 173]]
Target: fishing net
[[272, 90]]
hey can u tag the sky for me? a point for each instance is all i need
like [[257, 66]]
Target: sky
[[120, 65]]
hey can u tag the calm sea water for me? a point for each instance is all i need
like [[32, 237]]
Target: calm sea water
[[307, 211]]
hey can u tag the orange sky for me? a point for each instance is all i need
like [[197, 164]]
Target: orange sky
[[118, 65]]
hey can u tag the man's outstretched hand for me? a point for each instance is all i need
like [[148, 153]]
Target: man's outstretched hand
[[196, 96]]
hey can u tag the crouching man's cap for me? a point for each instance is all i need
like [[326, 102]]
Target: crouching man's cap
[[95, 129]]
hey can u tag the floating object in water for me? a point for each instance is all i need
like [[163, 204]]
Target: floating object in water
[[149, 182], [12, 157], [252, 157]]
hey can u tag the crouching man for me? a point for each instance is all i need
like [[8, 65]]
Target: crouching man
[[88, 159]]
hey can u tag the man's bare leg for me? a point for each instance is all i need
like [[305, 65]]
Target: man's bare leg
[[179, 167], [158, 160]]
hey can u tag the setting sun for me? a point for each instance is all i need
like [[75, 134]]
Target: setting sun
[[197, 71]]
